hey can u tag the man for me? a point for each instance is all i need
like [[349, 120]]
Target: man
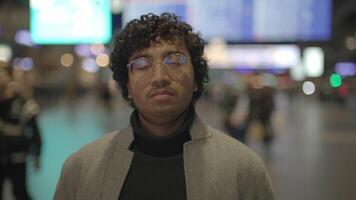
[[19, 135], [167, 152], [260, 107]]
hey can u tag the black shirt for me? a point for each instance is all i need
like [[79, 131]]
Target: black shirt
[[157, 170]]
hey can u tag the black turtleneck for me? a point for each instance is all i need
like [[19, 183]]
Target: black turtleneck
[[157, 170], [170, 145]]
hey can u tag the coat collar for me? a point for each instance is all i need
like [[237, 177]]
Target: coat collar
[[199, 130], [118, 165], [194, 156]]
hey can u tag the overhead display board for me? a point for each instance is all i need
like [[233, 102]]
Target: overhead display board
[[70, 22]]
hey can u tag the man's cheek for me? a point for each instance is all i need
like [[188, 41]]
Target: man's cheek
[[182, 76]]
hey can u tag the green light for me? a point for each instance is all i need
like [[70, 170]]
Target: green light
[[335, 80]]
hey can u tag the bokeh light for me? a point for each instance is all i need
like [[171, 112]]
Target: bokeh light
[[26, 64], [82, 50], [89, 65], [5, 53], [308, 88], [350, 43], [345, 68], [16, 62], [116, 6], [24, 37], [96, 49], [335, 80], [102, 60], [67, 60], [313, 61]]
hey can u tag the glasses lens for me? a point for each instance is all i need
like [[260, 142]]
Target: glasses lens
[[175, 59], [139, 64]]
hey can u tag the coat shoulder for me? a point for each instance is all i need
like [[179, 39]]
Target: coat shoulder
[[234, 151], [251, 174], [98, 146], [101, 148], [89, 159]]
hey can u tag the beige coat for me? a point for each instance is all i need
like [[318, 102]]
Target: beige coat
[[217, 167]]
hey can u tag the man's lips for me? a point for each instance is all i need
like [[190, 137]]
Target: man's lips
[[161, 93]]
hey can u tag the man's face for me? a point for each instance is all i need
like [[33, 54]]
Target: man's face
[[162, 92]]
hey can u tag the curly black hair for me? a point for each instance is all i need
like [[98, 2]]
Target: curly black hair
[[138, 34]]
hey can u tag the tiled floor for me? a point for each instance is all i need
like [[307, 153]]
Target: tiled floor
[[313, 156]]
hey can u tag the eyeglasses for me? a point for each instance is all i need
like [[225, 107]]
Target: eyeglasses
[[171, 61]]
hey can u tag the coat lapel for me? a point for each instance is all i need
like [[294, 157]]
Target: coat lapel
[[196, 167], [118, 165]]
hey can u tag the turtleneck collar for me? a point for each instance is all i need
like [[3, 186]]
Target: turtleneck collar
[[171, 145]]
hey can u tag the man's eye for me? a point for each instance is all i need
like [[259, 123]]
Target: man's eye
[[140, 65], [174, 60]]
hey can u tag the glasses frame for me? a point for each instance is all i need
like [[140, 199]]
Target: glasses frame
[[187, 58]]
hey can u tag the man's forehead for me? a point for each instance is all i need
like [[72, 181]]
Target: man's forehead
[[174, 41], [176, 44]]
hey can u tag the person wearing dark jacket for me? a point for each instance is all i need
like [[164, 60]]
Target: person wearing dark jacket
[[167, 151], [261, 107], [19, 135]]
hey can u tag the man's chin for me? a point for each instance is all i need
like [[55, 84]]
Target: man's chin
[[163, 108], [165, 111]]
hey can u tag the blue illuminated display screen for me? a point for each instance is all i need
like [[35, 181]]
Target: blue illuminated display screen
[[135, 9], [70, 22], [263, 20], [247, 20]]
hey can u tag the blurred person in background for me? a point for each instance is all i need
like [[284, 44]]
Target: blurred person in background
[[19, 135], [24, 86], [167, 151], [260, 107], [236, 115], [105, 96]]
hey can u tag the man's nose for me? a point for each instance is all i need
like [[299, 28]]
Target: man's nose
[[160, 76]]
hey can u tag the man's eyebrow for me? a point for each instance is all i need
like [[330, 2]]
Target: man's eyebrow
[[143, 55], [164, 54], [169, 52]]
